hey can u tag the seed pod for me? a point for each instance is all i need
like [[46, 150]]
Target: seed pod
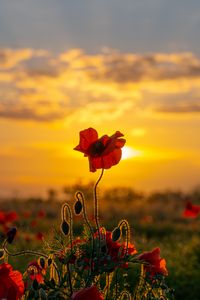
[[65, 228], [116, 233], [78, 207], [11, 234]]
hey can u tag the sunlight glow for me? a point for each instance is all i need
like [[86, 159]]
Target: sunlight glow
[[129, 152]]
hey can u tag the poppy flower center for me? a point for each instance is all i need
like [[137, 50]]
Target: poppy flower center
[[97, 148]]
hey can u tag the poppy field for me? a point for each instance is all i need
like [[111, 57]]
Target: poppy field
[[101, 244]]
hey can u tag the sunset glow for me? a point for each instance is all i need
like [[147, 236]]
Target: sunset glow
[[129, 152], [143, 80]]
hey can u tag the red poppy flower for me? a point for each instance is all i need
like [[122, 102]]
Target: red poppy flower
[[11, 216], [2, 217], [157, 265], [12, 285], [33, 223], [114, 248], [104, 152], [36, 271], [191, 210], [39, 236], [41, 213], [88, 293], [8, 217]]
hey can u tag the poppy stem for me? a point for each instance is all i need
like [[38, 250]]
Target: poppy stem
[[125, 293], [96, 215], [139, 287], [70, 281], [63, 216], [80, 197], [127, 228], [31, 252]]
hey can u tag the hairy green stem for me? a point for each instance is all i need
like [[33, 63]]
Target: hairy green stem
[[30, 252], [96, 215]]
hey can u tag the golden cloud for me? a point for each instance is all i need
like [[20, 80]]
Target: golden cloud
[[36, 85]]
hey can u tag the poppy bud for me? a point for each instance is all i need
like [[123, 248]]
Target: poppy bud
[[78, 207], [41, 262], [49, 261], [116, 233], [11, 234], [1, 253], [65, 228]]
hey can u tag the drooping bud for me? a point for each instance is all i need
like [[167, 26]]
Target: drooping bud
[[65, 228], [116, 233], [49, 261], [78, 207], [11, 234], [41, 262], [2, 252]]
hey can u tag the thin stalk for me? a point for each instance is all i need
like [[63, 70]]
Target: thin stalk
[[126, 225], [96, 215], [78, 196], [63, 216], [70, 281], [31, 252]]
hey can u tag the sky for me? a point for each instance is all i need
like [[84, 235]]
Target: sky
[[131, 65]]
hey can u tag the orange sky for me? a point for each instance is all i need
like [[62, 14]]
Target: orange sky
[[46, 99]]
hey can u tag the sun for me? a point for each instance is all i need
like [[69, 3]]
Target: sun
[[129, 152]]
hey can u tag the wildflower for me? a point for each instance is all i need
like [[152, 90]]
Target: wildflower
[[104, 152], [191, 210], [8, 217], [88, 293], [36, 272], [155, 264], [33, 223], [12, 285], [39, 236], [41, 213], [117, 250], [11, 216]]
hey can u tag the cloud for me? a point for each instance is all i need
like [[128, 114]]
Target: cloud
[[187, 108], [126, 68], [10, 58], [40, 86]]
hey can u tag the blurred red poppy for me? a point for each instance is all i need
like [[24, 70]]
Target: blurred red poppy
[[8, 217], [88, 293], [157, 265], [26, 214], [191, 210], [12, 285], [39, 236], [33, 223], [35, 271], [41, 213], [104, 152]]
